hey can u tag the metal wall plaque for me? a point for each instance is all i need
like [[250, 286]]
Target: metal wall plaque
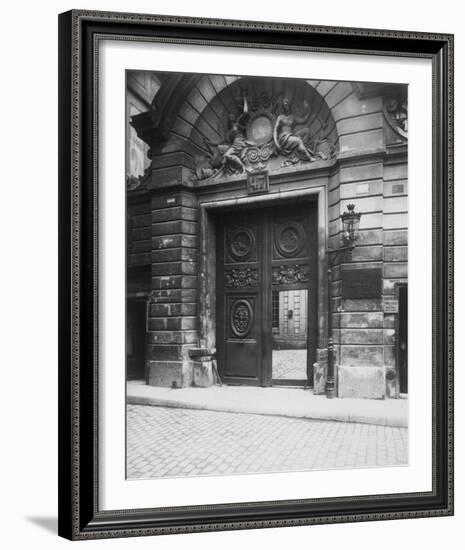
[[361, 283], [258, 182]]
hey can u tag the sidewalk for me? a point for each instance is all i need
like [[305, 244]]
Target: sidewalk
[[276, 401]]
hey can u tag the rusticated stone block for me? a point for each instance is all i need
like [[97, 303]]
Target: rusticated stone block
[[396, 171], [173, 337], [174, 227], [174, 241], [362, 336], [395, 204], [169, 374], [173, 310], [168, 352], [362, 141], [141, 234], [395, 221], [144, 220], [393, 238], [135, 208], [175, 295], [337, 94], [140, 247], [175, 254], [396, 270], [352, 105], [370, 236], [203, 374], [350, 190], [174, 268], [139, 259], [362, 356], [363, 122], [197, 100], [361, 382], [175, 213], [163, 178], [363, 305], [174, 281], [173, 323], [361, 172], [168, 200], [188, 113], [174, 158], [370, 253], [371, 221], [362, 320], [364, 203], [396, 254]]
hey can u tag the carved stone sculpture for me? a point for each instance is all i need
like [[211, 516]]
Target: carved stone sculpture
[[266, 127], [287, 138], [230, 150]]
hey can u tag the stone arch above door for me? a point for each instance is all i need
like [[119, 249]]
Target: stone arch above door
[[190, 110], [215, 104]]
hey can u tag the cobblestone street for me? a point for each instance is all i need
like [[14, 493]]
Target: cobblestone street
[[184, 442]]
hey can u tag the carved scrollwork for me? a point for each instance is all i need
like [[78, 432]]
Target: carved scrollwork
[[239, 278], [241, 318], [289, 274], [396, 114], [255, 155]]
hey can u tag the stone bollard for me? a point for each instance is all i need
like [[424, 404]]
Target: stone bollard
[[319, 372], [202, 367]]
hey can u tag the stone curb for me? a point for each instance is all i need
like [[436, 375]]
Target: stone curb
[[393, 421]]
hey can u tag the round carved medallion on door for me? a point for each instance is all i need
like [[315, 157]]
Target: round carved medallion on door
[[289, 239], [241, 318], [241, 243]]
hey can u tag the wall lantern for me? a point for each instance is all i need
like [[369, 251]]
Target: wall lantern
[[350, 223]]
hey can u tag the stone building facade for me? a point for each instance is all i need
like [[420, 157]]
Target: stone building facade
[[243, 185]]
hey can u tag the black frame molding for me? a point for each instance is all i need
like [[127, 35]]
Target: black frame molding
[[79, 516]]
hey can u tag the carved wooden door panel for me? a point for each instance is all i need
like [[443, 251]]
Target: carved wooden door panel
[[239, 304], [294, 262], [261, 253]]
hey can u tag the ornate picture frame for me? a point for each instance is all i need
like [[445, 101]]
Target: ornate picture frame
[[80, 470]]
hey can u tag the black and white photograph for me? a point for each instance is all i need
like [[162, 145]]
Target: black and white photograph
[[267, 224], [228, 278]]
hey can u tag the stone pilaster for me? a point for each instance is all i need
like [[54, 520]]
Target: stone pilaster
[[172, 314], [359, 332]]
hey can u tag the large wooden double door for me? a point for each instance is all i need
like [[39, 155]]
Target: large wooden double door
[[266, 294]]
